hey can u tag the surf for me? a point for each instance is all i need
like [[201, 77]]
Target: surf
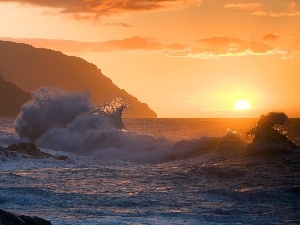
[[68, 122]]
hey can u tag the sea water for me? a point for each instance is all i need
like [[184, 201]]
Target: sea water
[[205, 187], [144, 171]]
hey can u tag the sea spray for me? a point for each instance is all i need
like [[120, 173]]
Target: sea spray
[[113, 110], [67, 121], [50, 108], [268, 136], [209, 188]]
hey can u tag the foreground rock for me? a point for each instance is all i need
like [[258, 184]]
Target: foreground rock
[[27, 150], [7, 218]]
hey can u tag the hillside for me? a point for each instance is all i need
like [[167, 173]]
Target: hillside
[[11, 98], [31, 68]]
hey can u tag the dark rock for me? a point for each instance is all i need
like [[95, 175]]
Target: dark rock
[[7, 218], [62, 157], [28, 150]]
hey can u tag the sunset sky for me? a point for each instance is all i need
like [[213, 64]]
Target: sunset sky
[[183, 58]]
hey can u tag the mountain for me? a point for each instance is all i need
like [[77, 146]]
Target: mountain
[[31, 68], [11, 98]]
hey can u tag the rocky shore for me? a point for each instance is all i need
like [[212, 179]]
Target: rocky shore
[[26, 150], [7, 218]]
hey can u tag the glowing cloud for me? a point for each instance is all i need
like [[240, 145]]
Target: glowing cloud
[[243, 6], [93, 9], [258, 9], [275, 14], [132, 43], [292, 5], [270, 37], [204, 48], [223, 45]]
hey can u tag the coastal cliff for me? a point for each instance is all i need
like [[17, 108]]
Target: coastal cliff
[[31, 68], [11, 98]]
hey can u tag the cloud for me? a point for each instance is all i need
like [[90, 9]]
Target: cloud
[[133, 43], [291, 5], [87, 9], [117, 24], [225, 45], [176, 47], [258, 9], [127, 44], [275, 14], [210, 47], [243, 6], [270, 37], [214, 47]]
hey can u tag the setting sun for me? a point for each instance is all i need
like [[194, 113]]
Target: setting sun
[[136, 110], [242, 105]]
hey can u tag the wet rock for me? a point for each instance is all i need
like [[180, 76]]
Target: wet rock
[[62, 157], [7, 218], [28, 150]]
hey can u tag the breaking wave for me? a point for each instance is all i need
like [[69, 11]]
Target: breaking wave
[[69, 122], [48, 109]]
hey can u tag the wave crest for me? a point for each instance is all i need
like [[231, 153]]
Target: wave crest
[[67, 121], [50, 108]]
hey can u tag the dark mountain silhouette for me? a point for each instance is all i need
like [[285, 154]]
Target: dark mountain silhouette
[[11, 98], [31, 68]]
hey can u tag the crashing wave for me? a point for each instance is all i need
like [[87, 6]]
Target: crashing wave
[[50, 108], [67, 121], [268, 136], [112, 110], [232, 140]]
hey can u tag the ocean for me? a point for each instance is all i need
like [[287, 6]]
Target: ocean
[[209, 179], [147, 171]]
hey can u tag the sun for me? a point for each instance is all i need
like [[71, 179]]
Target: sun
[[242, 105]]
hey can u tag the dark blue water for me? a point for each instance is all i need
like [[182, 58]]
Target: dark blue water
[[219, 183]]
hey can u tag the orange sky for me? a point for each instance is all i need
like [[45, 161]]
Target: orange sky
[[183, 58]]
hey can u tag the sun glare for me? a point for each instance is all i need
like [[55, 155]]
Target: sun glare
[[242, 105]]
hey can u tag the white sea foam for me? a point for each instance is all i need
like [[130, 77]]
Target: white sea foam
[[50, 108], [68, 122]]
